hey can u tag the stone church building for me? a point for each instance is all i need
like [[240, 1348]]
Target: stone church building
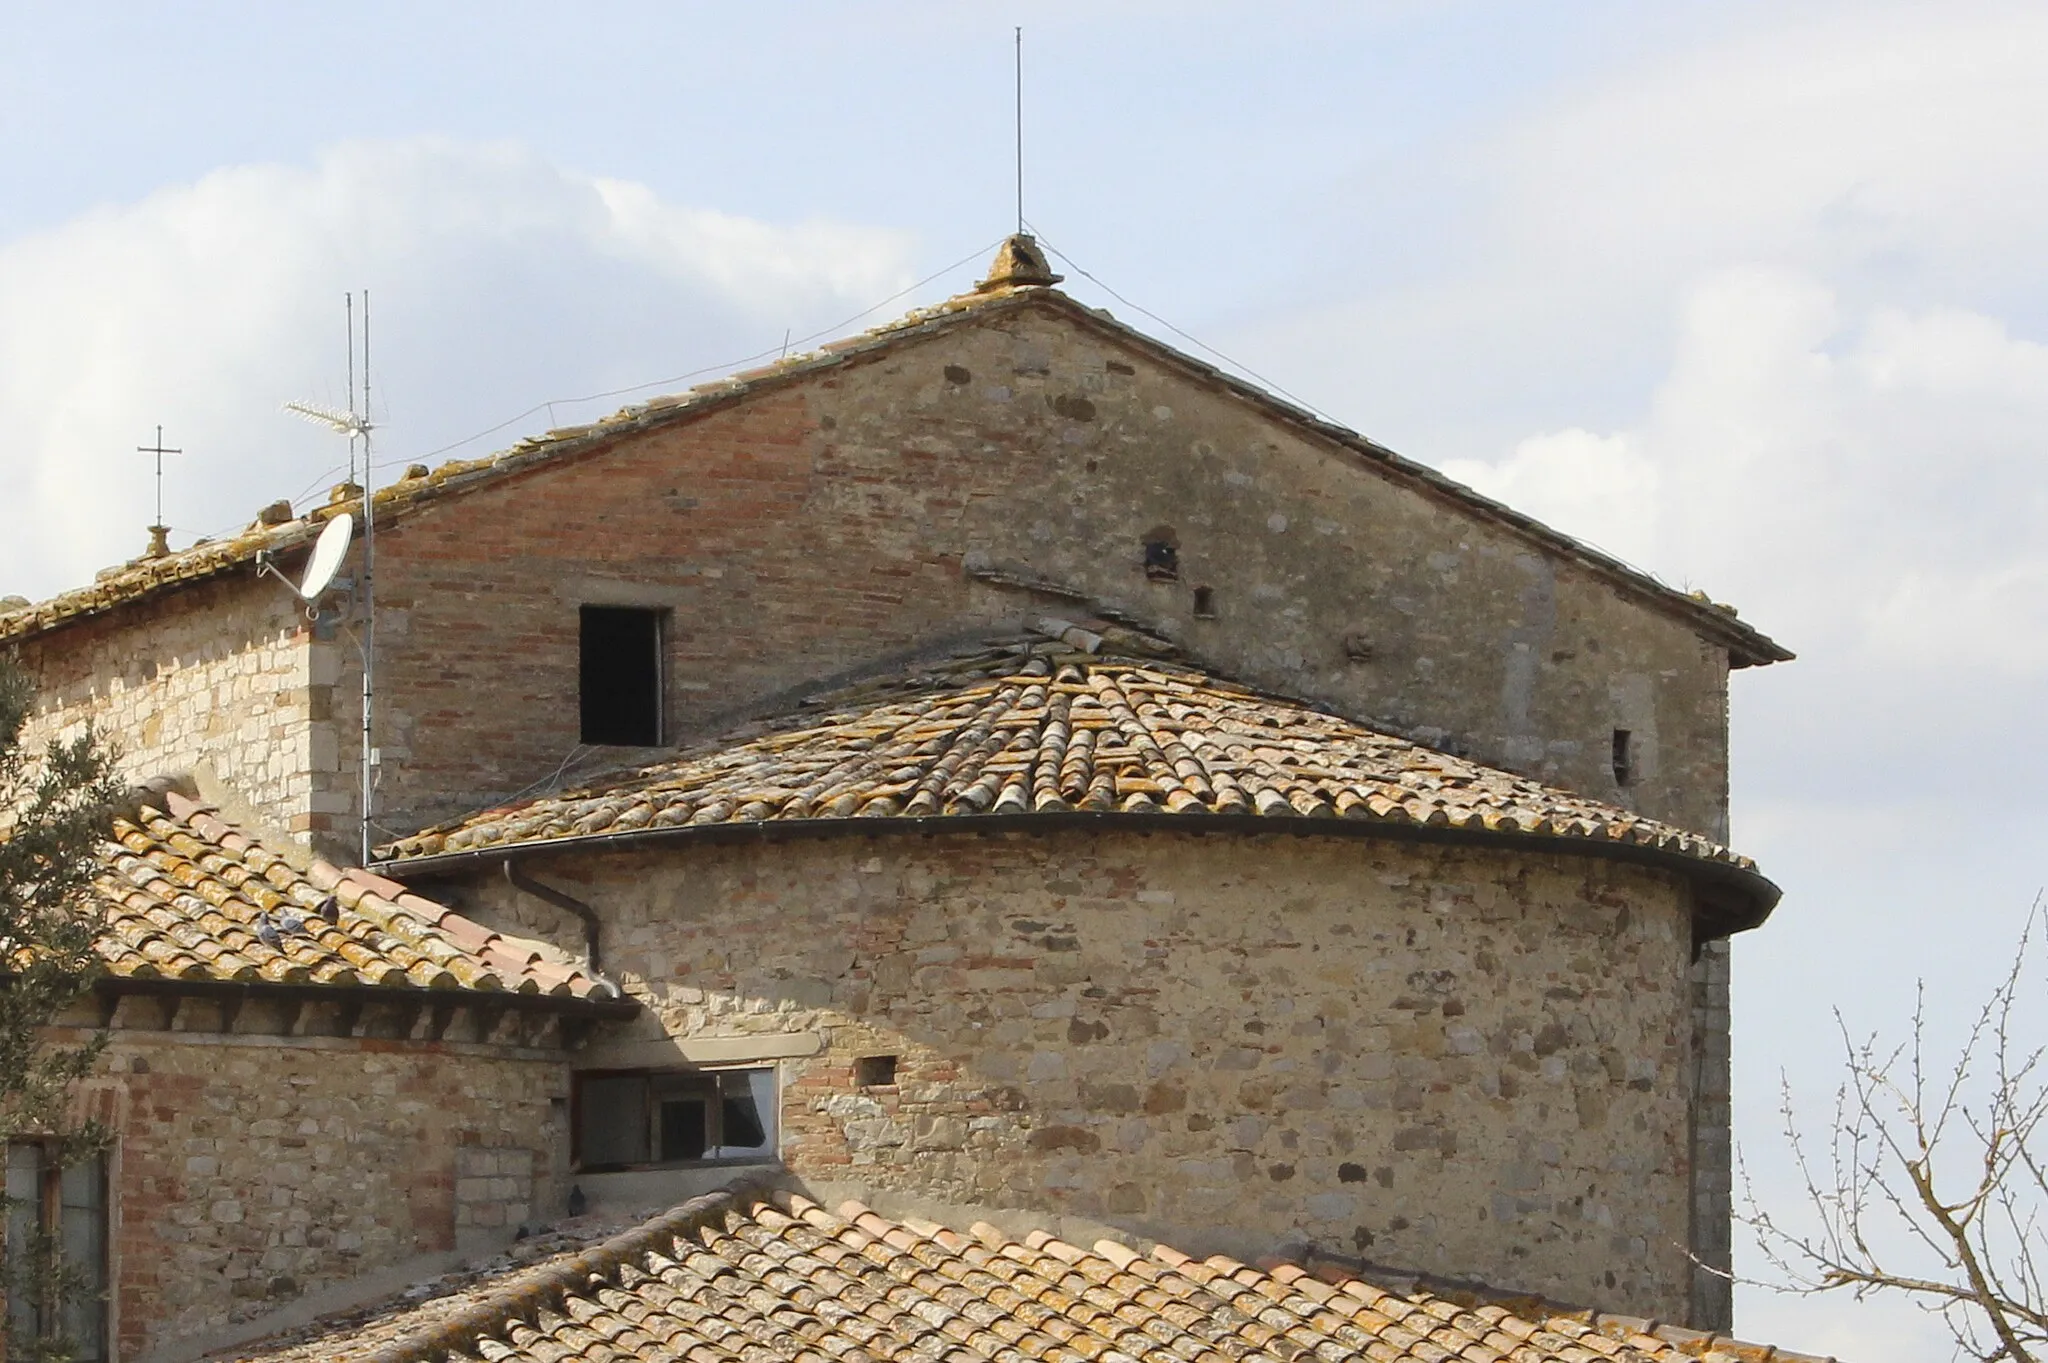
[[998, 768]]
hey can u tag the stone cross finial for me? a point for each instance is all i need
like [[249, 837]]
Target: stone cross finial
[[1018, 262]]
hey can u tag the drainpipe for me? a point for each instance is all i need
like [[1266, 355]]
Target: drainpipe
[[567, 903]]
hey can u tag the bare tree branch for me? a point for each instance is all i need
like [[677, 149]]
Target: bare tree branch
[[1937, 1179]]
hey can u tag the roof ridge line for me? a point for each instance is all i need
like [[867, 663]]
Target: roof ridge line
[[145, 577], [525, 1294], [1701, 610]]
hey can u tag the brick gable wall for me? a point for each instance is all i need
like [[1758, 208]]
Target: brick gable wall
[[816, 528]]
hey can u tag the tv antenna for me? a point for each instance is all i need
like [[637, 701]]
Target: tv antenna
[[334, 541], [1020, 130], [159, 533]]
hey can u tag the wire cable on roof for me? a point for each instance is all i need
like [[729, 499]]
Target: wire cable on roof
[[1238, 365], [780, 350], [1305, 405], [727, 366]]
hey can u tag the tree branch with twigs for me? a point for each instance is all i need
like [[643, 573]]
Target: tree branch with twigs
[[1934, 1180]]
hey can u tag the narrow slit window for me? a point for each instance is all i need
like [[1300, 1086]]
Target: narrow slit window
[[1205, 603], [1624, 757], [619, 677]]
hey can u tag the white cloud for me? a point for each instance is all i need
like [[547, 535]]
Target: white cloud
[[1852, 134], [1870, 488], [1896, 155], [497, 280], [1601, 484]]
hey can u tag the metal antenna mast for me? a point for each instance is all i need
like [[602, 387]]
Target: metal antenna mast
[[1020, 130], [356, 425], [371, 757], [348, 308]]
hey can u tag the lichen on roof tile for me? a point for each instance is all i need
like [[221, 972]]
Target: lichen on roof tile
[[188, 897], [751, 1271]]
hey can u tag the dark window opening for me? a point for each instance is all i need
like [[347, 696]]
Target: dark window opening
[[1205, 603], [619, 677], [1624, 758], [56, 1250], [873, 1071], [668, 1117], [1162, 554]]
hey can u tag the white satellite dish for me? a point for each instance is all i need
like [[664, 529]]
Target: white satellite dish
[[328, 553]]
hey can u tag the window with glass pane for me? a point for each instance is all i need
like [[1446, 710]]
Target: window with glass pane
[[674, 1117], [56, 1250]]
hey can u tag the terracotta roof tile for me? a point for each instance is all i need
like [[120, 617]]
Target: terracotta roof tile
[[746, 1274], [1045, 725], [186, 896]]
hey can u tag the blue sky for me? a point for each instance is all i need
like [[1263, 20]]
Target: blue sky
[[1750, 294]]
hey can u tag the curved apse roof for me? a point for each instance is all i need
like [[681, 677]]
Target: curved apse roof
[[1062, 727]]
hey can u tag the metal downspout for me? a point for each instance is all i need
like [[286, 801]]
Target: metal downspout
[[567, 903]]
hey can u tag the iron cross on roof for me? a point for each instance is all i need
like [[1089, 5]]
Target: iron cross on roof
[[159, 533]]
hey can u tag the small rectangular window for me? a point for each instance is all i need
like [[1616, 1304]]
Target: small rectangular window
[[874, 1071], [56, 1250], [1624, 758], [673, 1117], [619, 676]]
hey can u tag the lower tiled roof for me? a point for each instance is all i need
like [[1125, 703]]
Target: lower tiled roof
[[1067, 720], [188, 897], [747, 1274]]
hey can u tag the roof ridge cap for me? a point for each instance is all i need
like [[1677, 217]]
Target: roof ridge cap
[[522, 1295]]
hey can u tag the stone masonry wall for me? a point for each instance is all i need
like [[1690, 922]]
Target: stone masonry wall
[[1713, 1304], [219, 675], [816, 529], [250, 1170], [1463, 1061]]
